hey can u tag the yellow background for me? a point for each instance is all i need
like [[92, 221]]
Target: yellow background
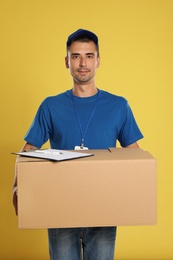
[[136, 45]]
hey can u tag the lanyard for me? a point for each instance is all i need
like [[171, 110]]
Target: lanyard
[[83, 133]]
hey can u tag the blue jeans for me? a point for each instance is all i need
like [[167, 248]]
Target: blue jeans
[[71, 243]]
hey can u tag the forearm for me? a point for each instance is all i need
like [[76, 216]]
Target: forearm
[[134, 145], [26, 147]]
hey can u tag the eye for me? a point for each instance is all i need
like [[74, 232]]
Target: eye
[[90, 56], [75, 57]]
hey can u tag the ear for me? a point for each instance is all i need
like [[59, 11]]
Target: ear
[[98, 62], [66, 62]]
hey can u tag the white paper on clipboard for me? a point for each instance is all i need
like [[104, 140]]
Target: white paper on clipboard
[[54, 154]]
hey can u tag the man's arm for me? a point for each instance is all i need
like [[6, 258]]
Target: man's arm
[[134, 145], [26, 147]]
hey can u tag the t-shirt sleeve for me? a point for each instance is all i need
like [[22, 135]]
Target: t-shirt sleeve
[[129, 132], [39, 131]]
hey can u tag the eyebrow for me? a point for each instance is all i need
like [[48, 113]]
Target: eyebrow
[[88, 53], [75, 54]]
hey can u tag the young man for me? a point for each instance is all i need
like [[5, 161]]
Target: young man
[[84, 117]]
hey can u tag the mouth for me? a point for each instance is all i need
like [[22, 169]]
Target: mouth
[[83, 71]]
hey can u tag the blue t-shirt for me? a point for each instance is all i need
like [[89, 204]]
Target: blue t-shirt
[[104, 118]]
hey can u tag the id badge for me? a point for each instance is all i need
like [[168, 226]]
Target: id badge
[[80, 148]]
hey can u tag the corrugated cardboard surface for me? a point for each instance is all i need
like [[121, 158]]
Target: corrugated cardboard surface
[[114, 187]]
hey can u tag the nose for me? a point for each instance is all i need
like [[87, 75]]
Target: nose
[[83, 62]]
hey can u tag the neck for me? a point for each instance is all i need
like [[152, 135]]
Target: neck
[[84, 90]]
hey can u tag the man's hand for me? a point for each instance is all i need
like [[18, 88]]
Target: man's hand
[[15, 200]]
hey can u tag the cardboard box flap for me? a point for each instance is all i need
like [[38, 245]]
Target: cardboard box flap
[[130, 153], [104, 155], [23, 159]]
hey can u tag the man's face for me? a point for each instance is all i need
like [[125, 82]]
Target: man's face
[[82, 60]]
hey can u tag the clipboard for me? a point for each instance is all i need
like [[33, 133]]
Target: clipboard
[[54, 154]]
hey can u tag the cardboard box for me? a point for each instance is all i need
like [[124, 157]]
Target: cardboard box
[[112, 188]]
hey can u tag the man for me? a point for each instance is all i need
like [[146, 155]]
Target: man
[[84, 117]]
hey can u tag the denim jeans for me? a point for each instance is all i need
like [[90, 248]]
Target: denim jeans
[[82, 243]]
